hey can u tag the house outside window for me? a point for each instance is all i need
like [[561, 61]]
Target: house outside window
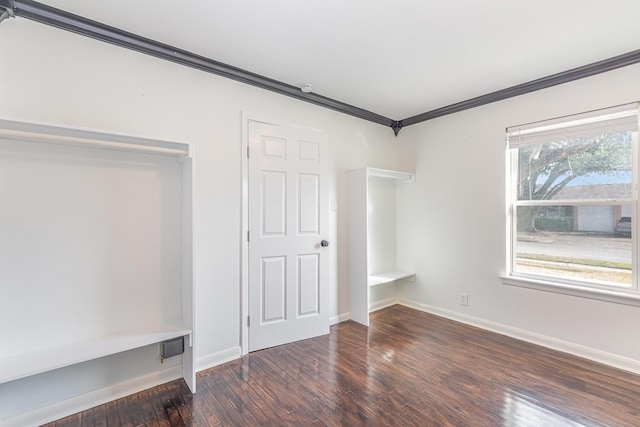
[[572, 202]]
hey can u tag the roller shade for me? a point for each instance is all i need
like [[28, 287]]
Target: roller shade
[[598, 122]]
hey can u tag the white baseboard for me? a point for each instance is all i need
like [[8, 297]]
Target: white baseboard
[[339, 318], [384, 303], [89, 400], [99, 397], [614, 360], [378, 305], [218, 358]]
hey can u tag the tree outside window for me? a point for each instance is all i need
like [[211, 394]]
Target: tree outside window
[[572, 180]]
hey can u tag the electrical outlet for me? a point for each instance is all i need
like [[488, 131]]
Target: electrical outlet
[[464, 299]]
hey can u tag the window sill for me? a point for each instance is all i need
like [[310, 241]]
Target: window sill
[[578, 291]]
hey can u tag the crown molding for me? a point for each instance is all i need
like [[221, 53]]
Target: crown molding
[[588, 70], [77, 24]]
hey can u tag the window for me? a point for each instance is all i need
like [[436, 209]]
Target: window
[[572, 199]]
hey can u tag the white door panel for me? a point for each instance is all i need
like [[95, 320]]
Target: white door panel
[[288, 218], [308, 284], [273, 289], [308, 204], [273, 203]]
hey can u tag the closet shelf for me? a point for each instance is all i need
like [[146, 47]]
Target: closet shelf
[[399, 177], [390, 276], [32, 362], [54, 135]]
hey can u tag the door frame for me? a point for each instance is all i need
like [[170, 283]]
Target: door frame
[[244, 228]]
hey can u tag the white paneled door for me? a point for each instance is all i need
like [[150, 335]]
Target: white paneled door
[[288, 235]]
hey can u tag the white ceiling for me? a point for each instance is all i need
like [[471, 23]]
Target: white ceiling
[[396, 58]]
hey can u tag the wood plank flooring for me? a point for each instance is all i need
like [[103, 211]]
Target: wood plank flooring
[[407, 369]]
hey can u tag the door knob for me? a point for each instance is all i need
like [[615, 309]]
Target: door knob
[[324, 243]]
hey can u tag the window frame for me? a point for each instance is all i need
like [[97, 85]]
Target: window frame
[[594, 290]]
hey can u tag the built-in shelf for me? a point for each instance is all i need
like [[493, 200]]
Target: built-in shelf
[[390, 276], [32, 362], [20, 131], [372, 236], [398, 177], [111, 219]]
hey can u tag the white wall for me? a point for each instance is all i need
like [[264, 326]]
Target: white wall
[[454, 234], [54, 77]]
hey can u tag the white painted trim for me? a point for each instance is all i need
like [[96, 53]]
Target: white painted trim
[[244, 247], [614, 360], [89, 400], [218, 358], [339, 318], [379, 305], [625, 298]]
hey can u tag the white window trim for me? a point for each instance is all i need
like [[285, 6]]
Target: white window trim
[[590, 290], [574, 290]]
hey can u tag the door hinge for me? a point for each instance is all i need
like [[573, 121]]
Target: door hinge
[[248, 321], [248, 236], [247, 152]]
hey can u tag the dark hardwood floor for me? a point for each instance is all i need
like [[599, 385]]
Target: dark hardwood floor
[[407, 369]]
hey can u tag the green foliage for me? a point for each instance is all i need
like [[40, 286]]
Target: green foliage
[[545, 169], [576, 261], [554, 224]]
